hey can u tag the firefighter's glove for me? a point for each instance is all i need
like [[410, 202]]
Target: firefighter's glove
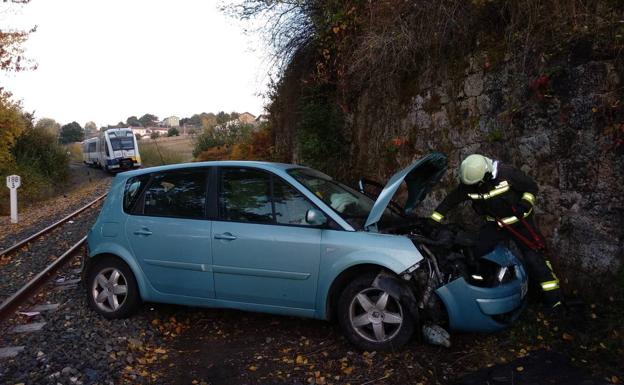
[[522, 208]]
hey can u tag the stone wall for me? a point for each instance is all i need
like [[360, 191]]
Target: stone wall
[[556, 127]]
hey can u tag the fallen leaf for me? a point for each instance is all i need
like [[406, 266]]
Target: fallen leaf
[[567, 337], [520, 368], [253, 368]]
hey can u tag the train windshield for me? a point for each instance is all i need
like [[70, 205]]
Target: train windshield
[[122, 143]]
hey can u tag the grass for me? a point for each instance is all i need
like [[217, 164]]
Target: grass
[[177, 149]]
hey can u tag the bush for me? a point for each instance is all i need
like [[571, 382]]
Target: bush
[[226, 134], [39, 150], [319, 132], [41, 162], [74, 151], [173, 132]]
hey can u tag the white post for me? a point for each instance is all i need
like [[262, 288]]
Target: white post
[[13, 205], [13, 182]]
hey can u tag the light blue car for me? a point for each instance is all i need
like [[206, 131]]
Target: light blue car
[[287, 239]]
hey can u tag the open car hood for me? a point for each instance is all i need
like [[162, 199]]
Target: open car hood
[[419, 176]]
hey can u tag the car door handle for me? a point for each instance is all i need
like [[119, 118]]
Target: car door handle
[[143, 231], [225, 236]]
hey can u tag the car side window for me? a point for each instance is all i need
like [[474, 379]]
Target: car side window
[[244, 195], [133, 189], [180, 194], [290, 205]]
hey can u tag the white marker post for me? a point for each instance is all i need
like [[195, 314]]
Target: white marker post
[[13, 182]]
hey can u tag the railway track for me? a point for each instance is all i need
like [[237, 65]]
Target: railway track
[[10, 304]]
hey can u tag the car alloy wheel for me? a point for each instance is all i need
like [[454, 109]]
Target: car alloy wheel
[[109, 289], [375, 315]]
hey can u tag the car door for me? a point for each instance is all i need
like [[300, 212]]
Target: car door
[[263, 250], [170, 235]]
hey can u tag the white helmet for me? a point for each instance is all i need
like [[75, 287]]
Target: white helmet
[[472, 170]]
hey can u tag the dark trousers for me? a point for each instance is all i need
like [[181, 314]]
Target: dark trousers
[[538, 267]]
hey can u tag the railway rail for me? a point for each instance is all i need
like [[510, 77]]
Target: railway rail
[[10, 304]]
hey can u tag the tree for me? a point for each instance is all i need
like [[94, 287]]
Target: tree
[[148, 120], [12, 124], [11, 52], [207, 120], [222, 117], [133, 121], [71, 132], [173, 132], [90, 129], [49, 125]]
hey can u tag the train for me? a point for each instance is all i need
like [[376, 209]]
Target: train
[[113, 150]]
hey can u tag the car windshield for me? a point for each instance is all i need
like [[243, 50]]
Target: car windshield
[[350, 204], [123, 143]]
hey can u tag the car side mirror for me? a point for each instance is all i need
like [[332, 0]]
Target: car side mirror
[[315, 217]]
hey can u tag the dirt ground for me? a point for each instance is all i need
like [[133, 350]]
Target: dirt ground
[[231, 347]]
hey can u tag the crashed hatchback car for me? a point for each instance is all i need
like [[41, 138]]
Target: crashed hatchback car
[[287, 239]]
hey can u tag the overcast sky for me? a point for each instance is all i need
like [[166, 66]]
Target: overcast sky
[[107, 60]]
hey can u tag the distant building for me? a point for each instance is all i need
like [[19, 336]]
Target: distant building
[[162, 131], [141, 131], [247, 118], [171, 121], [262, 119]]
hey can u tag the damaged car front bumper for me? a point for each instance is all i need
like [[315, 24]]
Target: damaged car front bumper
[[482, 309]]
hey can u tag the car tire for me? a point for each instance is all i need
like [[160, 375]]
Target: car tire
[[372, 319], [111, 288]]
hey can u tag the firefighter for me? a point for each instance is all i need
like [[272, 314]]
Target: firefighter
[[503, 194]]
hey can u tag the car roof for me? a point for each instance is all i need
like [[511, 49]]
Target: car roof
[[272, 166]]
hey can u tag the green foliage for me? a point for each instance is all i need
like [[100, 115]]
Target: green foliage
[[37, 157], [133, 121], [38, 149], [173, 132], [49, 125], [319, 131], [148, 120], [71, 132], [11, 125], [224, 135], [154, 135]]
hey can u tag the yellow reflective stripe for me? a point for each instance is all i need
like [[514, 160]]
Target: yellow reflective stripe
[[550, 285], [508, 220], [552, 271], [529, 197], [436, 216], [500, 188]]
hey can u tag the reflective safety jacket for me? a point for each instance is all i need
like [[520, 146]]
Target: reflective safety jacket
[[496, 197]]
